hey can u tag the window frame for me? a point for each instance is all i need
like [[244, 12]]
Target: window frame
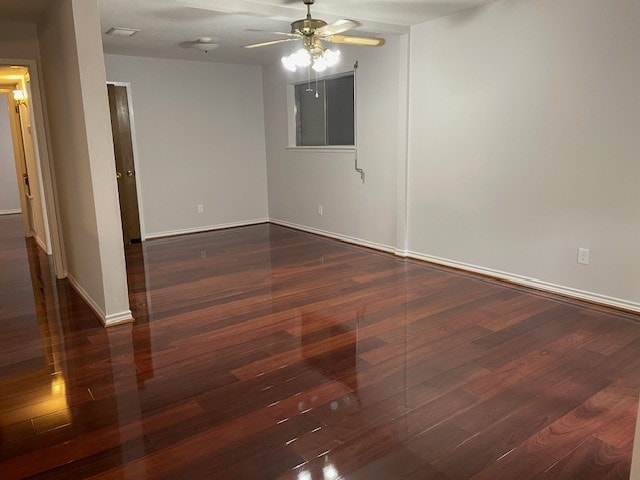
[[292, 114]]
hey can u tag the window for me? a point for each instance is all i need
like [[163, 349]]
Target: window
[[327, 119]]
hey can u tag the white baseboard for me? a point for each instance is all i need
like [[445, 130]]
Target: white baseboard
[[528, 282], [41, 244], [337, 236], [107, 320], [118, 318], [206, 228], [604, 300], [534, 283], [12, 211]]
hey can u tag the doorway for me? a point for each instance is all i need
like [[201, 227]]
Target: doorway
[[27, 118], [126, 171], [20, 162], [10, 195]]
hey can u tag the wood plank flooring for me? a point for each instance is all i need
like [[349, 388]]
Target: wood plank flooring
[[266, 353]]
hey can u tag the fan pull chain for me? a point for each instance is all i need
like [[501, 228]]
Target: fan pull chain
[[317, 85], [309, 89]]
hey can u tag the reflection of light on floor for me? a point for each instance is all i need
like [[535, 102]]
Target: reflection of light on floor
[[47, 404], [329, 472], [304, 475], [58, 386], [335, 405]]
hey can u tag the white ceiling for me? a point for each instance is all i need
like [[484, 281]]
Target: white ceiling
[[168, 25]]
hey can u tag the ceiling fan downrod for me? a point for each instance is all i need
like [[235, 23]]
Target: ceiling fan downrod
[[309, 25], [308, 3]]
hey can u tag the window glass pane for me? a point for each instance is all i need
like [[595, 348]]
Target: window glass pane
[[310, 121], [340, 103]]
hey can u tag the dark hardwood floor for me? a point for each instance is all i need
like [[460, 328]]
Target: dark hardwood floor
[[264, 353]]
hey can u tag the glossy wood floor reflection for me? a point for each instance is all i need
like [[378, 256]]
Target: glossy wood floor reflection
[[266, 353]]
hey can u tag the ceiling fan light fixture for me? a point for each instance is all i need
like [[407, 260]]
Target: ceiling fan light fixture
[[332, 57], [313, 32], [289, 63], [320, 64], [318, 59], [302, 58]]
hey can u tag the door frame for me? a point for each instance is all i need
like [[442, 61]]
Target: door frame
[[35, 140], [136, 163], [44, 165], [17, 156]]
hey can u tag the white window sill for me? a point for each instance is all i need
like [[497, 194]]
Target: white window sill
[[321, 149]]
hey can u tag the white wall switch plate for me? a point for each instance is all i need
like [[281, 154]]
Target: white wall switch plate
[[200, 208]]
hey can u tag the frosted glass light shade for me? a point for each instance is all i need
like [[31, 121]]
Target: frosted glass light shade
[[19, 95]]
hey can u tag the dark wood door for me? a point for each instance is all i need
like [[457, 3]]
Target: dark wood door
[[125, 168]]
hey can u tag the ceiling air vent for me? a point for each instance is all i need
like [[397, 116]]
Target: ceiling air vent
[[122, 32]]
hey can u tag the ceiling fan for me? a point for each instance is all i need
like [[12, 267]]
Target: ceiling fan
[[313, 32]]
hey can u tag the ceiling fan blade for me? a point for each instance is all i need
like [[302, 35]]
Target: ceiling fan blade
[[357, 41], [272, 42], [338, 26], [289, 34]]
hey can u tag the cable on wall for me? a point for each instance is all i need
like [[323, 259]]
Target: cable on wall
[[355, 119]]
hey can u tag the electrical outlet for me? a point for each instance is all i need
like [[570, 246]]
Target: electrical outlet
[[200, 208], [583, 256], [203, 254], [320, 210]]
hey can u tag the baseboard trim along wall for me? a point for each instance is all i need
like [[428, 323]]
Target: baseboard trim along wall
[[118, 318], [41, 244], [206, 228], [108, 320], [595, 298], [337, 236], [534, 283], [10, 212]]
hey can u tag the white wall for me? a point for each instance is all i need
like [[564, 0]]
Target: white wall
[[18, 40], [9, 195], [299, 181], [75, 84], [200, 140], [524, 142]]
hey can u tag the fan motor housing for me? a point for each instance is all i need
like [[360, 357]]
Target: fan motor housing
[[307, 26]]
